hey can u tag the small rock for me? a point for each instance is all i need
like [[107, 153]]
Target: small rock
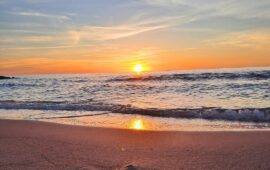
[[130, 167]]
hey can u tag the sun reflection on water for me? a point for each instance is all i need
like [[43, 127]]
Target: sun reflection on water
[[137, 124]]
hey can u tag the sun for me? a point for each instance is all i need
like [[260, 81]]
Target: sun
[[138, 68]]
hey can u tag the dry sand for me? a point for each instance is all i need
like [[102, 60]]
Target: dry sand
[[37, 145]]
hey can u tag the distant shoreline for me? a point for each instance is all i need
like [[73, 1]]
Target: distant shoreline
[[6, 77]]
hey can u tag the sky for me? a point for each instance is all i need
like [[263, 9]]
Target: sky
[[96, 36]]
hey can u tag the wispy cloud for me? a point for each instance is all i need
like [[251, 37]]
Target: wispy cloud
[[85, 34], [43, 15], [97, 33], [236, 8], [259, 40]]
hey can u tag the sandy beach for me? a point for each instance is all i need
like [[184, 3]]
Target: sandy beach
[[38, 145]]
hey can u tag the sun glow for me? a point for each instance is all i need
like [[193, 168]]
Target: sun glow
[[138, 68], [137, 124]]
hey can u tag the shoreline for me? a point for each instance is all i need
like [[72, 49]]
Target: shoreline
[[42, 145], [127, 121]]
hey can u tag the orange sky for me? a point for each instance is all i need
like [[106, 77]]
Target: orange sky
[[46, 37]]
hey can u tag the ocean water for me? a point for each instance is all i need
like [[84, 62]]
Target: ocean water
[[227, 95]]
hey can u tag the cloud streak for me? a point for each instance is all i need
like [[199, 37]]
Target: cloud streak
[[258, 40], [42, 15], [88, 34], [236, 8], [96, 33]]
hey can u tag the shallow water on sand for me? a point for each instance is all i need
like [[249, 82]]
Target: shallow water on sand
[[135, 122]]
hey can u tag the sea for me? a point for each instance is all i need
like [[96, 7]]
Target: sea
[[197, 100]]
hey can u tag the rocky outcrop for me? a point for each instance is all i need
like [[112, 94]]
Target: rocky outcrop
[[5, 77]]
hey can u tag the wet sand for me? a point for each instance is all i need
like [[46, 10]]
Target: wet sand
[[38, 145]]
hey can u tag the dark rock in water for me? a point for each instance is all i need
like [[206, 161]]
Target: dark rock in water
[[4, 77]]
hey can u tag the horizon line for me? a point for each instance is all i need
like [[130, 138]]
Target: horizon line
[[146, 72]]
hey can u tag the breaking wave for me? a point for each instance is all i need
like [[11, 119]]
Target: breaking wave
[[254, 75], [17, 85], [244, 114]]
